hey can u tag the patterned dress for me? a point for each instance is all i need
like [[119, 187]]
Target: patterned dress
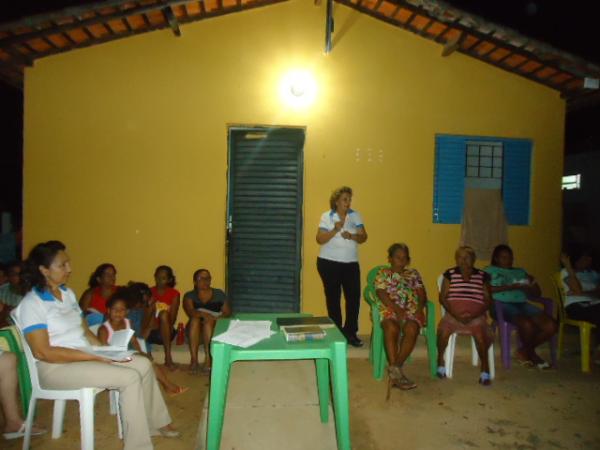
[[402, 289]]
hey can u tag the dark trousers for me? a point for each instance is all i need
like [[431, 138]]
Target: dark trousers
[[591, 313], [337, 276]]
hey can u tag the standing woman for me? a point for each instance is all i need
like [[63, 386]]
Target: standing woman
[[340, 231]]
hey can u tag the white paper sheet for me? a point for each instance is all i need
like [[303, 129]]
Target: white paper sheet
[[121, 338], [245, 333]]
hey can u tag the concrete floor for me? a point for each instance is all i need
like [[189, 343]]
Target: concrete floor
[[274, 406]]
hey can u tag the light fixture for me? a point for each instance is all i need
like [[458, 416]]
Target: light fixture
[[298, 88]]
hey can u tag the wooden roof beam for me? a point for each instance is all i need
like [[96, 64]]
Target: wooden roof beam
[[172, 20], [138, 10], [453, 44]]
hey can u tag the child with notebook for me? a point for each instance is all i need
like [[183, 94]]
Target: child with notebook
[[117, 320]]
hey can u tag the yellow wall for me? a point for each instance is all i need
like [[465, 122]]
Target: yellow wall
[[126, 142]]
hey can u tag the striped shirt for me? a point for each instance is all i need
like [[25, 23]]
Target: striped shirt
[[466, 296]]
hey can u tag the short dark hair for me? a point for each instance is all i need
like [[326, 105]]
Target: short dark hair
[[496, 253], [93, 281], [41, 255], [172, 280], [122, 294], [398, 246]]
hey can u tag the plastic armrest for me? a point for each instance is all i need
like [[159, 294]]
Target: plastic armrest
[[548, 304]]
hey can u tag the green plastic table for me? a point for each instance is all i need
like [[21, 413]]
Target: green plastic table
[[329, 354]]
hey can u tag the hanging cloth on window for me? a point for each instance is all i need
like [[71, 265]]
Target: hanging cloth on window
[[484, 223]]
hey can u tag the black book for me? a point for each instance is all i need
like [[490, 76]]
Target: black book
[[290, 322]]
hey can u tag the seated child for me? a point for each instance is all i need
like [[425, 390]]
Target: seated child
[[117, 309]]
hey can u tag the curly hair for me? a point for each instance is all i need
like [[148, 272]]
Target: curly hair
[[335, 195], [41, 255], [137, 291]]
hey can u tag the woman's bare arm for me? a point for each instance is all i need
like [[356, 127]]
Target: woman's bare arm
[[40, 347]]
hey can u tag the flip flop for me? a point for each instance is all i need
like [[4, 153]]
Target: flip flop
[[543, 366], [205, 370], [180, 390], [21, 432], [441, 372], [194, 370]]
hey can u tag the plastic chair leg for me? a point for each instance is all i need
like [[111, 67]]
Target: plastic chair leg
[[382, 358], [449, 355], [553, 353], [113, 400], [29, 423], [585, 332], [474, 354], [58, 418], [86, 418], [561, 336], [115, 394], [432, 354], [492, 362], [505, 344], [378, 352]]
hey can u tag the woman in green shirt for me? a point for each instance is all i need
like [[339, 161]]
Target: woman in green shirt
[[512, 286]]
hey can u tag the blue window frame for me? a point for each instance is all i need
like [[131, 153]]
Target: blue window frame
[[451, 167]]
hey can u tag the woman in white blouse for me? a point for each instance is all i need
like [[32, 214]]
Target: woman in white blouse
[[340, 231], [51, 320]]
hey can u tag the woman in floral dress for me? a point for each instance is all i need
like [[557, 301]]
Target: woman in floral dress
[[401, 300]]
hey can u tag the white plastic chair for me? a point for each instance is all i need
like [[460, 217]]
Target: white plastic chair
[[451, 347], [85, 397], [113, 396]]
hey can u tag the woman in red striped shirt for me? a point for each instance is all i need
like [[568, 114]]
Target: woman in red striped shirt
[[465, 295]]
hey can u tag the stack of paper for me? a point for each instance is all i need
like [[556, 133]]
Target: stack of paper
[[244, 333]]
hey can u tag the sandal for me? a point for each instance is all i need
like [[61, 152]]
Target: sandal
[[485, 379], [179, 390], [405, 384]]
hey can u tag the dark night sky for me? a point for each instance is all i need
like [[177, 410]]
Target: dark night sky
[[567, 26]]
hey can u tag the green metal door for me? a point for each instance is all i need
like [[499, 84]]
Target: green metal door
[[264, 226]]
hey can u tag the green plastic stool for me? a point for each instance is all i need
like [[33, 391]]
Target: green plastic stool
[[377, 354], [14, 345]]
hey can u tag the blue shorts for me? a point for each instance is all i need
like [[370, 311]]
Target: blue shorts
[[526, 309]]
